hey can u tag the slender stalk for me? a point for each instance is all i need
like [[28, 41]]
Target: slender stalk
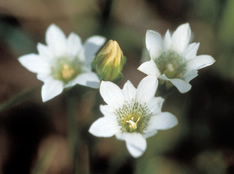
[[73, 132], [165, 92], [17, 99]]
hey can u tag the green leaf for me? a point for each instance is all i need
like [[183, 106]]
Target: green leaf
[[19, 98]]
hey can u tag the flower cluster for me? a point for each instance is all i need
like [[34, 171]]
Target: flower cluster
[[131, 114]]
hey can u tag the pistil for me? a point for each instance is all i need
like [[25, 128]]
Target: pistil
[[65, 69], [132, 124], [67, 72], [171, 64]]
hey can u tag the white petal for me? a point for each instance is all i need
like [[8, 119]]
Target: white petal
[[147, 89], [135, 142], [34, 63], [167, 41], [107, 110], [43, 77], [155, 105], [145, 56], [56, 40], [149, 68], [91, 46], [191, 51], [181, 38], [104, 127], [190, 75], [181, 85], [86, 79], [73, 45], [153, 42], [50, 89], [44, 52], [162, 121], [200, 62], [111, 94], [150, 133], [129, 91], [82, 58]]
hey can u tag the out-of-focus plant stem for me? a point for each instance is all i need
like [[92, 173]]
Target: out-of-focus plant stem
[[165, 92], [73, 132], [17, 99], [44, 161], [106, 17]]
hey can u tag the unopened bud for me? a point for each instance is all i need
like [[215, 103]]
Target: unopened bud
[[109, 62]]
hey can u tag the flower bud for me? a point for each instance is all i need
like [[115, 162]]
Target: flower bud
[[109, 62]]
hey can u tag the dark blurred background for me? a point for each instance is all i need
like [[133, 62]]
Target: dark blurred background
[[34, 136]]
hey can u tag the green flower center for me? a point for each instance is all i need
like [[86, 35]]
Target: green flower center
[[133, 117], [171, 64], [66, 70]]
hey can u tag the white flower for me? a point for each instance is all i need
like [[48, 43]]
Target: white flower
[[64, 62], [173, 59], [132, 114]]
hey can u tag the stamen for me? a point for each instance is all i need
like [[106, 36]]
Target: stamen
[[132, 124], [133, 117], [67, 71], [170, 67], [171, 64]]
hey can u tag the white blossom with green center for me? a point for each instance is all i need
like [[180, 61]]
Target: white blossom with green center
[[173, 59], [64, 62], [66, 70], [133, 117], [171, 64], [132, 114]]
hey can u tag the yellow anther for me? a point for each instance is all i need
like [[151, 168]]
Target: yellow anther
[[132, 124], [67, 72], [170, 67]]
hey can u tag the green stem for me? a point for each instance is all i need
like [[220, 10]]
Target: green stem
[[17, 99], [73, 132], [164, 91]]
